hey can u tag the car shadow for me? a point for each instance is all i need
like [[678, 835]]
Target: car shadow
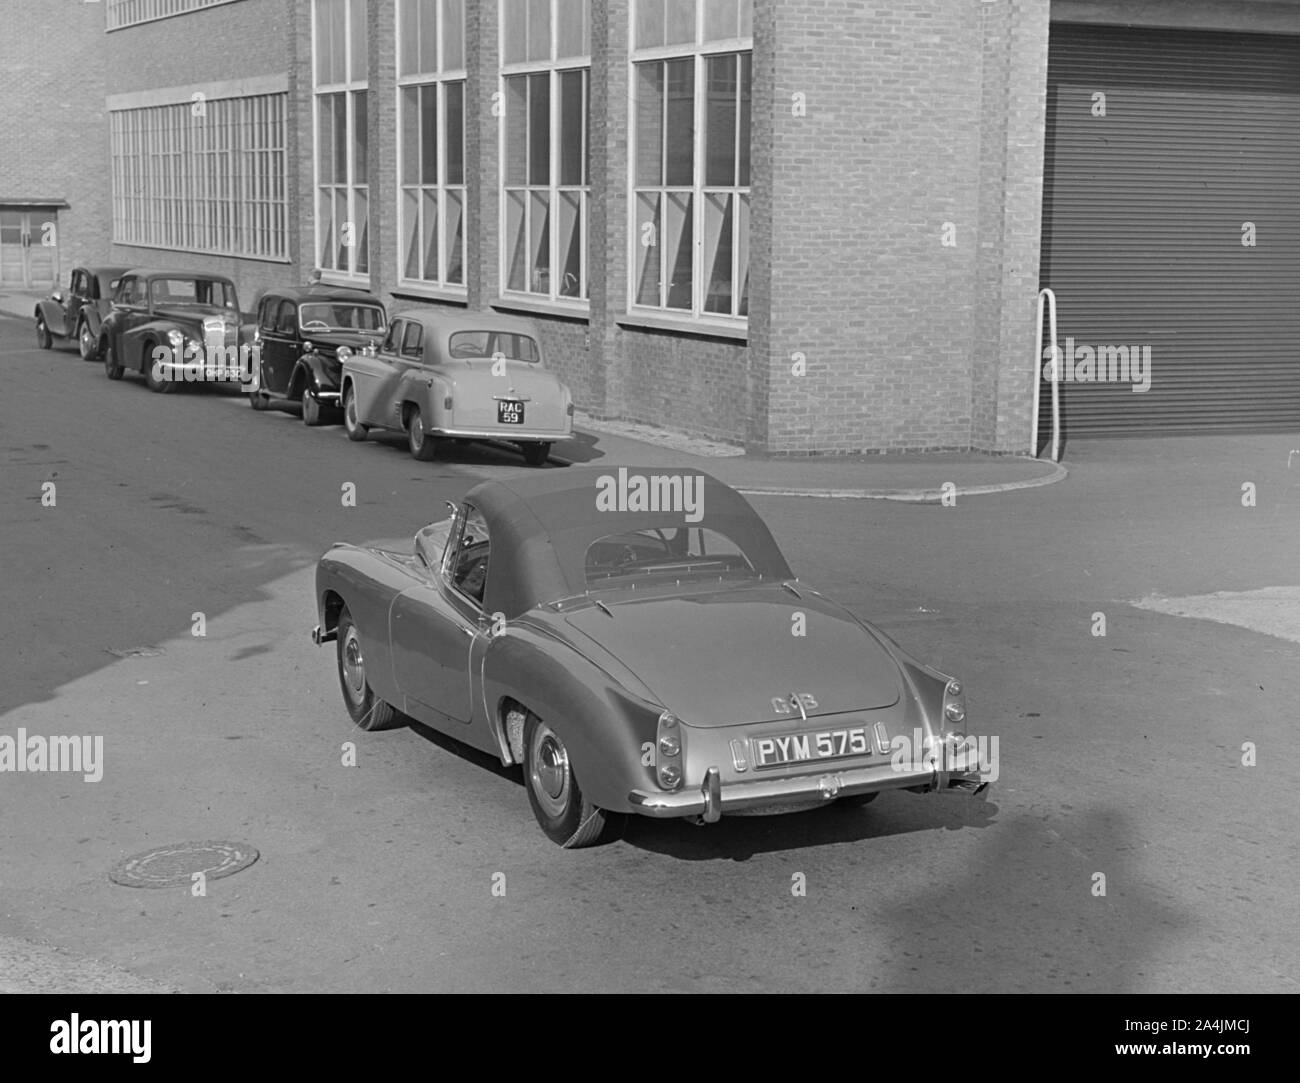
[[467, 453], [581, 447], [738, 838], [465, 752]]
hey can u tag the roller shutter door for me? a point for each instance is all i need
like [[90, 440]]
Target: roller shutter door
[[1144, 212]]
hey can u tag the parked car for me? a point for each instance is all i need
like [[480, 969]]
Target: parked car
[[304, 334], [466, 376], [193, 315], [636, 661], [79, 312]]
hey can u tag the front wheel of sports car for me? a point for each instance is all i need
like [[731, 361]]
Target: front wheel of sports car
[[111, 368], [423, 446], [85, 341], [352, 426], [43, 337], [536, 454], [368, 711], [566, 816]]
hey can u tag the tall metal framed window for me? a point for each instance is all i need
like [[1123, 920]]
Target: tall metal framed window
[[339, 77], [545, 152], [431, 143], [688, 244]]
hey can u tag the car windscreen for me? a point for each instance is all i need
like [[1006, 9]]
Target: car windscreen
[[340, 316], [492, 344], [665, 554], [193, 291]]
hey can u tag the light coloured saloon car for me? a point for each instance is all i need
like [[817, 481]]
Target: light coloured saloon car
[[458, 376]]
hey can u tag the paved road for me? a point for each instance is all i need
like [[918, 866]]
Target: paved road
[[1119, 755]]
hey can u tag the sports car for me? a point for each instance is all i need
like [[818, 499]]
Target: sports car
[[79, 312], [461, 376], [636, 642]]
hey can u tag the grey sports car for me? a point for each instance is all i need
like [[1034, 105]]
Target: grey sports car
[[634, 639]]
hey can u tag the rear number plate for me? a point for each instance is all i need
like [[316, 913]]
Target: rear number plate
[[805, 747], [510, 412]]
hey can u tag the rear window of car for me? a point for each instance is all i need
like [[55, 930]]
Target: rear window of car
[[673, 553], [341, 316], [508, 344]]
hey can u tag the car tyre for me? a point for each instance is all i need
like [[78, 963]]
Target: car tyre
[[43, 337], [423, 446], [311, 409], [85, 340], [351, 426], [161, 387], [366, 709], [259, 400], [111, 368], [536, 454], [563, 813]]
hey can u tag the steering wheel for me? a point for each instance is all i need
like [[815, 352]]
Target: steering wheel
[[315, 325]]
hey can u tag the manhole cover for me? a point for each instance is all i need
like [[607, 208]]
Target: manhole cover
[[134, 652], [169, 866]]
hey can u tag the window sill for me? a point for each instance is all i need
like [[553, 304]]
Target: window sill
[[424, 291], [578, 313], [354, 282], [685, 325]]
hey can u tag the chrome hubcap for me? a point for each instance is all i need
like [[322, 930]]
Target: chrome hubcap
[[417, 432], [85, 341], [350, 411], [549, 770], [354, 666]]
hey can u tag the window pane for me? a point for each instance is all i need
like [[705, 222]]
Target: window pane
[[746, 18], [539, 29], [361, 230], [429, 130], [649, 123], [679, 242], [325, 137], [681, 22], [453, 35], [344, 231], [324, 13], [570, 245], [746, 73], [360, 139], [455, 128], [572, 115], [648, 243], [742, 242], [717, 252], [325, 218], [516, 250], [680, 137], [429, 227], [517, 129], [514, 28], [411, 135], [539, 129], [570, 28], [649, 23], [720, 19], [409, 32], [340, 105], [359, 39], [411, 233], [455, 235], [427, 59], [539, 242], [720, 121]]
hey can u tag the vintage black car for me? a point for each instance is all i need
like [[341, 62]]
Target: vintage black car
[[304, 334], [176, 326], [79, 312]]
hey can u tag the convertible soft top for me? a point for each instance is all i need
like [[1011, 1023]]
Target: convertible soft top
[[541, 525]]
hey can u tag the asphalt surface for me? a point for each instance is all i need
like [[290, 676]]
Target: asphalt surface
[[1119, 755]]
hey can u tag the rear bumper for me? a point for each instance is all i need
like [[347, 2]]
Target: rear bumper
[[524, 436], [712, 798]]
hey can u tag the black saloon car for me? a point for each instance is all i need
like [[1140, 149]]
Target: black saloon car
[[79, 312], [304, 334]]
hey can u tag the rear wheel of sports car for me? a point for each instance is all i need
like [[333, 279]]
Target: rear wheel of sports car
[[310, 408], [368, 711], [353, 427], [423, 446], [563, 812], [162, 387], [536, 454], [43, 337], [85, 341], [111, 368]]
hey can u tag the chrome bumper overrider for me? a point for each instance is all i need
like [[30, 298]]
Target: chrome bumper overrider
[[712, 799]]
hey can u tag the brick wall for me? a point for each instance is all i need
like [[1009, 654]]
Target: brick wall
[[52, 122]]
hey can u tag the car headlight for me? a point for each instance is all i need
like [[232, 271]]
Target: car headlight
[[343, 353], [176, 340]]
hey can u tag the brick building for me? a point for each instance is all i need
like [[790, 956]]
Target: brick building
[[806, 227]]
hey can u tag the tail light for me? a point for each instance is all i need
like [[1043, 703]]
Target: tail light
[[668, 751]]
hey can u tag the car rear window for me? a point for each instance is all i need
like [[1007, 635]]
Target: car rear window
[[674, 553], [508, 344]]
